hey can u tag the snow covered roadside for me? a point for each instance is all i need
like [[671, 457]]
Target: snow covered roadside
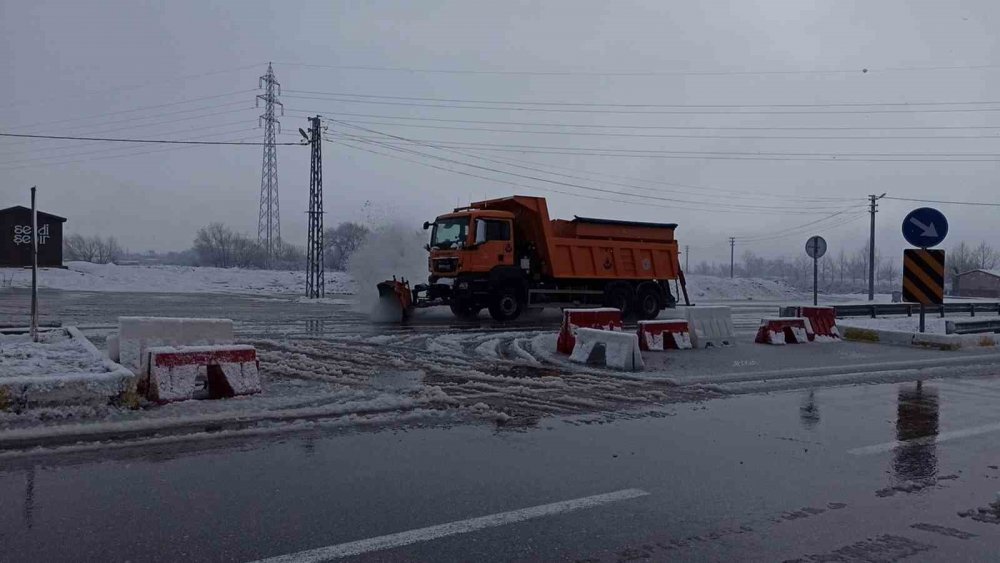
[[712, 288], [84, 276], [932, 324], [63, 368]]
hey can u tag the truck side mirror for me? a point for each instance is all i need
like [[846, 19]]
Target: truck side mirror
[[480, 231], [427, 225]]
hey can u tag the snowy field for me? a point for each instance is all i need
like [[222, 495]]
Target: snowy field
[[84, 276]]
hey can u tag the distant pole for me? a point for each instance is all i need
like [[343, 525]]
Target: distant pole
[[732, 257], [872, 209], [687, 255], [34, 267]]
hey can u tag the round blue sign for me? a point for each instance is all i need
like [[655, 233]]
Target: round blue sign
[[925, 227]]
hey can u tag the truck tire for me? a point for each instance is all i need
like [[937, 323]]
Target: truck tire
[[465, 311], [507, 304], [647, 302], [620, 296]]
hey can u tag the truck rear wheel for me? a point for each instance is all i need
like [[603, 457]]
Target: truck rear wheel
[[647, 302], [506, 304], [620, 296]]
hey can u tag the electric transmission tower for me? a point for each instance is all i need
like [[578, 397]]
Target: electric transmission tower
[[268, 223], [315, 282]]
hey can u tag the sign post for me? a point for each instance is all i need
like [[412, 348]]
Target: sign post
[[923, 267], [34, 268], [816, 248]]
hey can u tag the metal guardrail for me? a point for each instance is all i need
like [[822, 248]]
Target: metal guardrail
[[972, 327], [874, 310]]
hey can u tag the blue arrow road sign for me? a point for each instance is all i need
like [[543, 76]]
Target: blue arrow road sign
[[925, 227]]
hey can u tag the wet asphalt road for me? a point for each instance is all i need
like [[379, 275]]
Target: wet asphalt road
[[810, 475]]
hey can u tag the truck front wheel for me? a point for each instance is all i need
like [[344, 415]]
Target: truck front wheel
[[620, 296], [506, 304]]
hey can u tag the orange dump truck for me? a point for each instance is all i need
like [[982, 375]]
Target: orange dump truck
[[506, 255]]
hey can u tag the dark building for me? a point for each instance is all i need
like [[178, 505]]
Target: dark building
[[15, 230], [979, 283]]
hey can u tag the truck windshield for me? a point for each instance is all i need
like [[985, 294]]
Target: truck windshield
[[449, 232]]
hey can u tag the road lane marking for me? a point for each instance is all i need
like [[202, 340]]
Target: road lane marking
[[452, 528], [942, 437]]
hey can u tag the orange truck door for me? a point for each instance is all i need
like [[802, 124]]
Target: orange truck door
[[494, 244]]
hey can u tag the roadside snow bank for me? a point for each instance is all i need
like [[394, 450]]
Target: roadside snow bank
[[55, 353], [714, 288], [84, 276], [932, 324]]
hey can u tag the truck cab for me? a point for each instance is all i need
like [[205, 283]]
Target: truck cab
[[472, 254]]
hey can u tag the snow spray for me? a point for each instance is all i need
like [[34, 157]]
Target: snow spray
[[391, 249]]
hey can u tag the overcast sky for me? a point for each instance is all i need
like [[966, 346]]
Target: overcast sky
[[189, 69]]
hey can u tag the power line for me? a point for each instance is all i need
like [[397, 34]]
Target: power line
[[48, 163], [731, 155], [655, 127], [578, 177], [643, 105], [979, 203], [715, 208], [131, 110], [852, 70], [117, 140], [521, 108], [140, 85], [678, 136]]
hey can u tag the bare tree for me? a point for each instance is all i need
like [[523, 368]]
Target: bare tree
[[985, 256], [341, 242]]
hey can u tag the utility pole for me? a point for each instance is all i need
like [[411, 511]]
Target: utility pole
[[687, 255], [732, 256], [315, 282], [268, 222], [872, 210], [34, 268]]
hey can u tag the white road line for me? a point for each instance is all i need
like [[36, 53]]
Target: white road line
[[942, 437], [452, 528]]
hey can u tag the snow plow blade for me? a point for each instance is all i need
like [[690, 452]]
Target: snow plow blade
[[395, 299]]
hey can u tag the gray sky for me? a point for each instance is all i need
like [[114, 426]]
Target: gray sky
[[76, 69]]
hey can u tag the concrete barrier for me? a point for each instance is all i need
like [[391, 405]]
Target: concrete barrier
[[664, 335], [822, 319], [784, 330], [174, 372], [600, 318], [710, 326], [136, 334], [114, 353], [621, 349]]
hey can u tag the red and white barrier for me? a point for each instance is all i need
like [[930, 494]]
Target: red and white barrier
[[784, 330], [664, 335], [823, 321], [173, 372], [600, 318], [137, 334], [621, 349]]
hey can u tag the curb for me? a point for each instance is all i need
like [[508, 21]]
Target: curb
[[948, 342]]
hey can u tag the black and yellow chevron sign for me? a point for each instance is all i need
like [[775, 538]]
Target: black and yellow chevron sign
[[923, 276]]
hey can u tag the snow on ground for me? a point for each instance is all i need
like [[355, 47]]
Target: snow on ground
[[84, 276], [55, 353], [714, 288]]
